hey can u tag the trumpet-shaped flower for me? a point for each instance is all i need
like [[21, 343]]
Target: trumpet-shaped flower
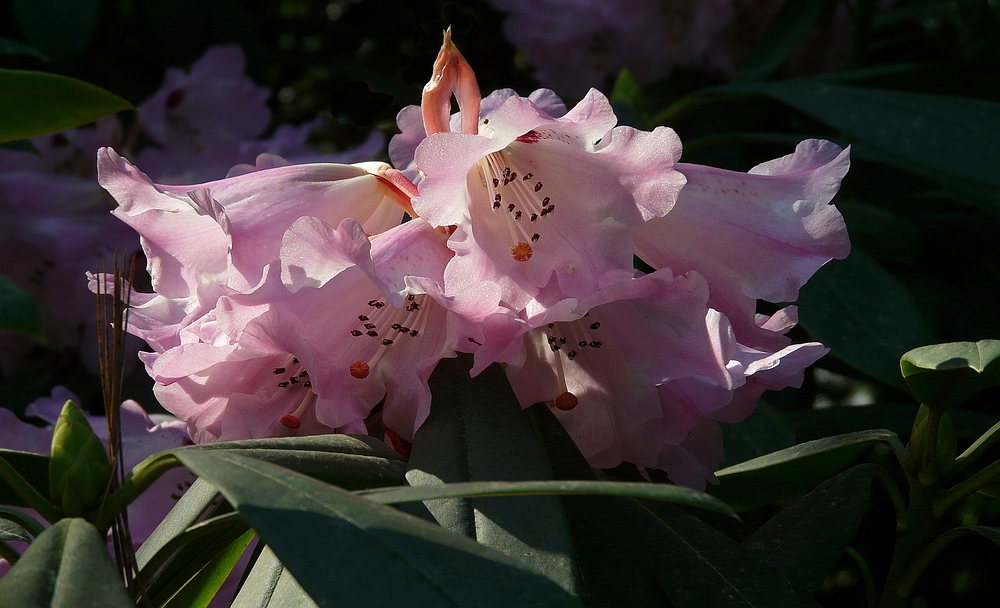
[[206, 239], [535, 198]]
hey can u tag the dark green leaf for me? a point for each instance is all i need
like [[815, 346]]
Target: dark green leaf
[[805, 540], [68, 566], [864, 315], [10, 530], [35, 103], [18, 310], [794, 470], [60, 28], [904, 127], [477, 431], [787, 30], [10, 47], [949, 374], [188, 510], [269, 585], [33, 467], [650, 491], [765, 431], [381, 555], [199, 591], [897, 417], [23, 520], [630, 556]]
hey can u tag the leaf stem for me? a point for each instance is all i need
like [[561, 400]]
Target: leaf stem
[[866, 574], [967, 488], [985, 441], [895, 495], [26, 491], [137, 482]]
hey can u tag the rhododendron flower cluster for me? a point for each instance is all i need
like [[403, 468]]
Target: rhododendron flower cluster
[[290, 298]]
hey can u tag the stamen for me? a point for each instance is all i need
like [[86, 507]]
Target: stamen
[[360, 369], [521, 251], [566, 401]]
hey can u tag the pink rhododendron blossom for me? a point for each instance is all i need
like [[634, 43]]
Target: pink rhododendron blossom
[[513, 189], [142, 436], [757, 235], [335, 328], [578, 44], [205, 239]]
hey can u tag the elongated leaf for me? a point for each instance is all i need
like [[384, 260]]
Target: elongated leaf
[[35, 103], [61, 28], [477, 432], [864, 315], [33, 467], [763, 480], [188, 510], [200, 590], [806, 539], [23, 520], [10, 47], [787, 30], [18, 310], [660, 492], [765, 431], [348, 551], [631, 556], [269, 585], [10, 530], [68, 566], [949, 374], [904, 126]]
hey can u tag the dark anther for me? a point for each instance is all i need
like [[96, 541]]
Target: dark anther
[[596, 343], [362, 318], [293, 380], [513, 176], [562, 340], [295, 360], [356, 332], [582, 343], [496, 182], [386, 342], [517, 215], [510, 207], [534, 216], [282, 384], [414, 333], [571, 354], [552, 339], [307, 384], [372, 333], [555, 347], [535, 237], [395, 326], [372, 302], [303, 374], [595, 325], [538, 186], [527, 177], [279, 370], [545, 201], [410, 297], [369, 326]]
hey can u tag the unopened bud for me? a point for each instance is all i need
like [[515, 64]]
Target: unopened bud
[[79, 467], [452, 75]]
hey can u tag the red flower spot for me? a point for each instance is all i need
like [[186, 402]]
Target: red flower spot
[[530, 137], [566, 401]]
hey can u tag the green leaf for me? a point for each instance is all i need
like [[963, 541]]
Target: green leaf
[[67, 566], [765, 431], [35, 103], [903, 127], [477, 432], [805, 540], [382, 555], [946, 375], [863, 314], [23, 520], [33, 467], [787, 30], [897, 417], [60, 28], [794, 470], [350, 462], [650, 491], [11, 48], [10, 530], [270, 585], [199, 591], [18, 310], [188, 510], [631, 556]]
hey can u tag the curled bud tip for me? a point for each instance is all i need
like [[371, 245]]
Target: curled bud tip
[[521, 252], [290, 421], [360, 370], [452, 75], [566, 401]]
